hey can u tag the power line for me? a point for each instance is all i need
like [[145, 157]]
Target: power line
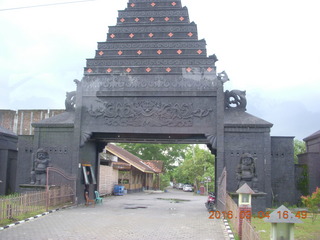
[[44, 5]]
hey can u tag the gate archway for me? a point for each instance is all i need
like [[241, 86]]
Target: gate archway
[[153, 80]]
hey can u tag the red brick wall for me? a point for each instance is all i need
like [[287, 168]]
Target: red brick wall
[[7, 119], [20, 121]]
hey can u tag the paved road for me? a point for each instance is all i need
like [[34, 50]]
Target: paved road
[[131, 217]]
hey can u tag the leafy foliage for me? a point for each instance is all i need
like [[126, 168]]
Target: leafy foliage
[[198, 165], [303, 181], [170, 154], [299, 148], [312, 203]]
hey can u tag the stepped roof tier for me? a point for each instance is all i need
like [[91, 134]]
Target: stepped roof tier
[[153, 44]]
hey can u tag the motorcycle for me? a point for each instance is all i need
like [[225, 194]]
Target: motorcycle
[[211, 202]]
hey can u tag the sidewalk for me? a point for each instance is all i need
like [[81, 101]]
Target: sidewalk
[[131, 217]]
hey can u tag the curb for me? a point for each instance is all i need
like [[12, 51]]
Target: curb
[[230, 233], [31, 218]]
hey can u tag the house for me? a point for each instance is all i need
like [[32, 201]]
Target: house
[[119, 167]]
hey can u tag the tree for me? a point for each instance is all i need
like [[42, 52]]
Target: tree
[[170, 154], [299, 148], [197, 166]]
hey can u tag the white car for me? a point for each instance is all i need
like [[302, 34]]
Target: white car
[[180, 186], [187, 188]]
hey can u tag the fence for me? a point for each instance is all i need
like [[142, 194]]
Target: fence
[[30, 202], [222, 191], [60, 187], [247, 231], [233, 208]]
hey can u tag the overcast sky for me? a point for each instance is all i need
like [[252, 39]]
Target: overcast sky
[[270, 48]]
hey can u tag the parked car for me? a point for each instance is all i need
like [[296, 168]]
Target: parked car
[[187, 188], [180, 186]]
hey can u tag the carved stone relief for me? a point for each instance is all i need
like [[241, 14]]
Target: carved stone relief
[[152, 62], [104, 83], [151, 45], [39, 168], [149, 29], [235, 99], [70, 101], [147, 113], [246, 172], [158, 13]]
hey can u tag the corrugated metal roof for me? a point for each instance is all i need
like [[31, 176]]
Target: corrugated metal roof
[[155, 165], [129, 158]]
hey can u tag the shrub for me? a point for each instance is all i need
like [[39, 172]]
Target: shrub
[[312, 203]]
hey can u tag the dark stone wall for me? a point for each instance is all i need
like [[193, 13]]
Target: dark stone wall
[[301, 181], [312, 161], [282, 170], [8, 158], [25, 158], [313, 145], [314, 171], [3, 171], [58, 142], [12, 171], [255, 141], [88, 155]]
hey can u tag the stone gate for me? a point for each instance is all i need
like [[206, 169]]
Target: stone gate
[[153, 80]]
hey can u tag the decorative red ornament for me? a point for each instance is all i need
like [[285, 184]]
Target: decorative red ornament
[[109, 70], [170, 34], [122, 20], [181, 19], [101, 53], [151, 35], [166, 19], [120, 52], [131, 35], [153, 4], [137, 19], [173, 3], [179, 51], [209, 69], [148, 69], [128, 70], [168, 69], [132, 5], [199, 51], [151, 19], [89, 70], [189, 69], [112, 35], [139, 52], [190, 34], [159, 51]]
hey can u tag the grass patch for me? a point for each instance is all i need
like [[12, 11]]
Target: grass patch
[[303, 231], [235, 234], [6, 222]]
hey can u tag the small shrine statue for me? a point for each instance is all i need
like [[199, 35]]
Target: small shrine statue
[[39, 169], [246, 172]]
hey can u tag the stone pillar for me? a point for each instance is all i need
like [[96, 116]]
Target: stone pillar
[[245, 212]]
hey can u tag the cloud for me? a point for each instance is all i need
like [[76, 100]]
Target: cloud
[[290, 118]]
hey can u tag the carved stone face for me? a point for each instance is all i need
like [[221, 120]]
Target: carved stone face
[[42, 154], [246, 161]]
